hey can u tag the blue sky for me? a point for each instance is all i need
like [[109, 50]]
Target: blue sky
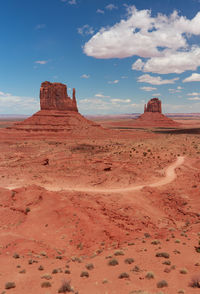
[[117, 54]]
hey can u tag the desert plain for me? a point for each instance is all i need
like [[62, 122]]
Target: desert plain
[[112, 211]]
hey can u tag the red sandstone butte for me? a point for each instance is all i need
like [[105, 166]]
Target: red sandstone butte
[[59, 113], [153, 116], [53, 96], [154, 105]]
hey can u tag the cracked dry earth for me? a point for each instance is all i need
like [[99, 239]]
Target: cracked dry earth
[[59, 213]]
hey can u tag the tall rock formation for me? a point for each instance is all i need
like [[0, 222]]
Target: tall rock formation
[[59, 113], [154, 105], [53, 96]]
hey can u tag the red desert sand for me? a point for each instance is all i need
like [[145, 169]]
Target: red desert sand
[[85, 209]]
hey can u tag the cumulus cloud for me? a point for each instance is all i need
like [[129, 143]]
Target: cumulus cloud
[[85, 76], [155, 80], [117, 105], [177, 90], [101, 96], [85, 30], [162, 39], [42, 62], [12, 104], [120, 100], [148, 89], [171, 62], [193, 94], [71, 2], [111, 7], [195, 77], [100, 11], [194, 98], [113, 82]]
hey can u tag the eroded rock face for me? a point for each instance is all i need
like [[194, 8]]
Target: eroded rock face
[[154, 105], [53, 96]]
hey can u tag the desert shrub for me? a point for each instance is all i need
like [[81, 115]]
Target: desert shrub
[[46, 284], [123, 276], [162, 254], [155, 242], [55, 271], [197, 249], [67, 272], [167, 270], [59, 257], [149, 275], [16, 255], [183, 271], [177, 241], [131, 243], [10, 285], [22, 271], [129, 260], [195, 282], [118, 253], [65, 287], [84, 274], [136, 269], [167, 262], [147, 235], [27, 210], [40, 268], [47, 277], [113, 262], [162, 284], [89, 266]]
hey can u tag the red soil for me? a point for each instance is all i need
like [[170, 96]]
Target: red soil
[[88, 227]]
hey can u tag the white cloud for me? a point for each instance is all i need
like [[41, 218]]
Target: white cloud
[[163, 39], [72, 2], [156, 94], [155, 80], [113, 82], [148, 89], [194, 98], [12, 104], [193, 94], [85, 30], [101, 96], [195, 77], [40, 26], [100, 11], [85, 76], [111, 7], [120, 100], [177, 90], [171, 61], [41, 62], [117, 105]]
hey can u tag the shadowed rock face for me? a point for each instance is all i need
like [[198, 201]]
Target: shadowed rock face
[[154, 105], [53, 96]]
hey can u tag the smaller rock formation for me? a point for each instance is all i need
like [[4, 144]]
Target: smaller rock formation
[[53, 96], [153, 117], [154, 105]]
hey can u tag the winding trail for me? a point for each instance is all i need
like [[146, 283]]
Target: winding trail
[[170, 176]]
